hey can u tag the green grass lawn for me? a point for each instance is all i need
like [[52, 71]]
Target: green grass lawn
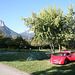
[[28, 50], [22, 50], [41, 67]]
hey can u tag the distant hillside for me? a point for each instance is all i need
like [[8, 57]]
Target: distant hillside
[[7, 31], [27, 34], [12, 34]]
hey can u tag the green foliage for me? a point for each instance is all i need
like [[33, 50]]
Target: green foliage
[[70, 23], [21, 43], [7, 42], [52, 25], [70, 44], [46, 24]]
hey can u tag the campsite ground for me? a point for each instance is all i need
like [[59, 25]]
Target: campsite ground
[[39, 67]]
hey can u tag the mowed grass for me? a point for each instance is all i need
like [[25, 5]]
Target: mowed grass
[[17, 50], [40, 67]]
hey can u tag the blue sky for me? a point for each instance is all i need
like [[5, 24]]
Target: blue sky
[[12, 10]]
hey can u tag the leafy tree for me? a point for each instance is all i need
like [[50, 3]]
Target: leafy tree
[[66, 27], [70, 26], [21, 43], [1, 36], [36, 42], [26, 43], [46, 24], [8, 42], [2, 42], [51, 25], [39, 43]]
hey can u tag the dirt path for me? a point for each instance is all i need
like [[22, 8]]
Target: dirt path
[[7, 70]]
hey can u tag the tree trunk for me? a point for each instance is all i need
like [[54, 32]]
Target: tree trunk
[[39, 48], [59, 47], [53, 48]]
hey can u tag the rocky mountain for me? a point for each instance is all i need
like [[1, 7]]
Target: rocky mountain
[[7, 31], [27, 34]]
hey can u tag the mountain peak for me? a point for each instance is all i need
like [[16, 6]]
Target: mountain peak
[[7, 31], [1, 23], [27, 33]]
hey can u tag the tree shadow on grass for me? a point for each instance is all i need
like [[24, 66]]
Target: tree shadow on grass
[[19, 56], [68, 69], [14, 57]]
